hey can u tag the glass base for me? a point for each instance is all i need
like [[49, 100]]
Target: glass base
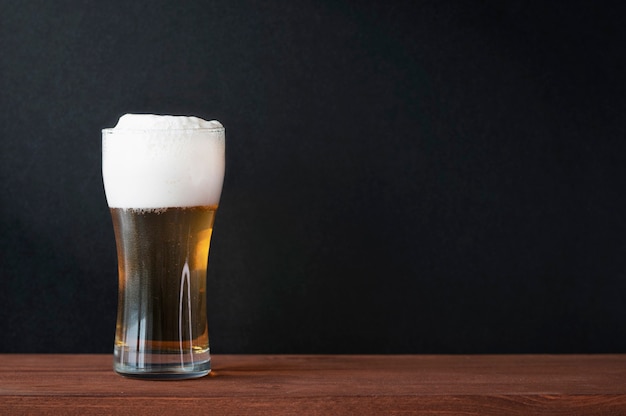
[[161, 366], [156, 374]]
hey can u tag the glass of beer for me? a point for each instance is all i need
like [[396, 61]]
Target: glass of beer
[[163, 179]]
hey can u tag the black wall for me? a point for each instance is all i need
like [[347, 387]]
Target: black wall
[[402, 177]]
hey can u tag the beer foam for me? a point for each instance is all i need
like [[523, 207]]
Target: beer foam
[[158, 161], [165, 122]]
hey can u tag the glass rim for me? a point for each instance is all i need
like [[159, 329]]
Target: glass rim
[[144, 131]]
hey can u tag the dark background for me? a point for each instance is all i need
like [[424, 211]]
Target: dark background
[[402, 177]]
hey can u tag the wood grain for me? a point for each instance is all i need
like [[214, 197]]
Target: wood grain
[[323, 385]]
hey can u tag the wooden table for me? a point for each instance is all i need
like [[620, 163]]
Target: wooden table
[[323, 385]]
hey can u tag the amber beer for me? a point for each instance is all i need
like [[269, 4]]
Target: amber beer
[[162, 257], [163, 188]]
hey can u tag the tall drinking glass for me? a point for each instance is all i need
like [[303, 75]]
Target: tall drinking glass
[[163, 188]]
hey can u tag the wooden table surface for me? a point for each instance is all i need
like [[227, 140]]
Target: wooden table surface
[[323, 385]]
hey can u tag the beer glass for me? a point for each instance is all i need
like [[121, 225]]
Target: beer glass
[[163, 189]]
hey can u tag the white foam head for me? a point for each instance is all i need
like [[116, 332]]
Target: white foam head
[[151, 161]]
